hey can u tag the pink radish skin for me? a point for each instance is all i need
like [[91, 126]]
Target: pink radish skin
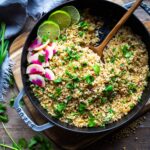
[[37, 79], [42, 46], [35, 69], [48, 52], [36, 43], [49, 74]]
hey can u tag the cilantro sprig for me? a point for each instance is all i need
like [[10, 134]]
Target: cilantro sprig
[[3, 43]]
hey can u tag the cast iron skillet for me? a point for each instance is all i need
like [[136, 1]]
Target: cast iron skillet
[[103, 9]]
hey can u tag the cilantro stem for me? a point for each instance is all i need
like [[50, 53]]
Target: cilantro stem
[[9, 135], [6, 146]]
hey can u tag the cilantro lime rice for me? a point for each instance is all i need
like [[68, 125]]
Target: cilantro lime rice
[[83, 90]]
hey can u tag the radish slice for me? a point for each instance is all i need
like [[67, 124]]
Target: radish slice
[[35, 69], [49, 74], [48, 52], [36, 43], [42, 46], [37, 79]]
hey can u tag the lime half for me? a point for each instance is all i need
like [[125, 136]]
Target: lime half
[[62, 18], [49, 29], [73, 12]]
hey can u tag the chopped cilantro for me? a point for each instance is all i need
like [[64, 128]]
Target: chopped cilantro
[[81, 33], [83, 25], [110, 110], [132, 87], [89, 79], [58, 91], [75, 67], [126, 51], [60, 107], [103, 100], [58, 80], [113, 59], [82, 108], [62, 38], [96, 69], [69, 74], [71, 54], [69, 98], [132, 106], [108, 88], [76, 79], [91, 121], [52, 96], [90, 101], [45, 38], [71, 86], [113, 79], [41, 58]]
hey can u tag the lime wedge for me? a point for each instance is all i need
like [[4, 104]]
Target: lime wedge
[[49, 30], [62, 18], [73, 12]]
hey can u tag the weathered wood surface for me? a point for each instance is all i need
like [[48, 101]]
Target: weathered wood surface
[[18, 129]]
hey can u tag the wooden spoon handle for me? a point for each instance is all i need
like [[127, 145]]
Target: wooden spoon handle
[[119, 25]]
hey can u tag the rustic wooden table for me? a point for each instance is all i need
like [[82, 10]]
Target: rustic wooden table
[[139, 140]]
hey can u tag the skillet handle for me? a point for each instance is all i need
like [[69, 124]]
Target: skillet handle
[[25, 118], [143, 5]]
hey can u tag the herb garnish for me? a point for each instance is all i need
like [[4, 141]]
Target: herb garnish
[[132, 88], [82, 108], [58, 80], [41, 58], [89, 79], [81, 33], [96, 69], [60, 107], [91, 121], [83, 25], [62, 38], [126, 51], [72, 54]]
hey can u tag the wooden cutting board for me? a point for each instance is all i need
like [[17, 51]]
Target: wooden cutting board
[[64, 139]]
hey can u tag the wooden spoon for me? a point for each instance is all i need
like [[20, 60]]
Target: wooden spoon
[[99, 49]]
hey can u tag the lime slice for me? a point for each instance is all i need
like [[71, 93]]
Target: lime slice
[[73, 12], [49, 30], [62, 18]]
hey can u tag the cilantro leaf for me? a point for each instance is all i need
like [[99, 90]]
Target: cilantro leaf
[[91, 121], [41, 58], [82, 108], [126, 51], [58, 80], [96, 69], [89, 79]]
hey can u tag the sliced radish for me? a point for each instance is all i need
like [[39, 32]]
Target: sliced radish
[[37, 79], [35, 69], [49, 74], [42, 46], [36, 43], [34, 57], [48, 52]]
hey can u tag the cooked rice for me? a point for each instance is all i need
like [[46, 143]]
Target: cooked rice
[[90, 104]]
